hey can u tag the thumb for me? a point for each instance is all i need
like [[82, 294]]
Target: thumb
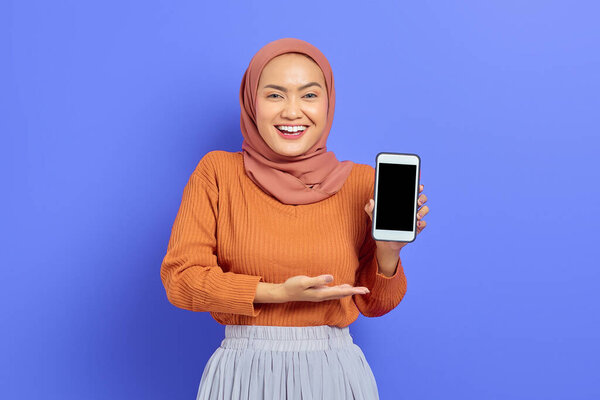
[[322, 280], [369, 208]]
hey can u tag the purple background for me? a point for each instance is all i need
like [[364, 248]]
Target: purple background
[[107, 107]]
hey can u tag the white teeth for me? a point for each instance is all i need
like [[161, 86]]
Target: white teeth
[[291, 128]]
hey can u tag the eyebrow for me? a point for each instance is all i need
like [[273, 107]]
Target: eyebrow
[[300, 88]]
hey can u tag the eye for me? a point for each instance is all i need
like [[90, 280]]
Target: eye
[[272, 94], [312, 94]]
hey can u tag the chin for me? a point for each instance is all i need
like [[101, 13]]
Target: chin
[[290, 153]]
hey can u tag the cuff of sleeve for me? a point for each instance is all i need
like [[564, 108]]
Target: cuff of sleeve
[[237, 294], [381, 285], [244, 300]]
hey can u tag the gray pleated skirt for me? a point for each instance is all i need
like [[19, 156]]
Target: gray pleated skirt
[[287, 362]]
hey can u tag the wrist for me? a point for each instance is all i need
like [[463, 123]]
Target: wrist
[[278, 295], [269, 293], [387, 262]]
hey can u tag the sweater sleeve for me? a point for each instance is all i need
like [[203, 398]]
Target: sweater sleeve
[[189, 271], [385, 292]]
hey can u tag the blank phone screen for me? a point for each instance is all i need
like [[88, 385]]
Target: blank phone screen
[[396, 197]]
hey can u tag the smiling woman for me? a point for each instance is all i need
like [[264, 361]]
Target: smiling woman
[[289, 82], [291, 106], [274, 242]]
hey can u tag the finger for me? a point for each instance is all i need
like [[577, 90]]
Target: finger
[[336, 292], [350, 290], [345, 288], [354, 289], [421, 225], [422, 199], [422, 212], [321, 280], [359, 290], [345, 285], [369, 208], [421, 188]]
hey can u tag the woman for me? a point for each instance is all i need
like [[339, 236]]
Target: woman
[[275, 242]]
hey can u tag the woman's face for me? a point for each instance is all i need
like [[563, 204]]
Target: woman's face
[[291, 93]]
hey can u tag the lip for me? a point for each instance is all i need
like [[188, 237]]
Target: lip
[[290, 137]]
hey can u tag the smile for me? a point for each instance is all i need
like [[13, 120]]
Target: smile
[[291, 131]]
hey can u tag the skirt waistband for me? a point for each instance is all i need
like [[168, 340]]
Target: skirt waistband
[[286, 338]]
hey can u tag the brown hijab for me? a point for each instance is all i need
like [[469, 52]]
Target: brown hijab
[[304, 179]]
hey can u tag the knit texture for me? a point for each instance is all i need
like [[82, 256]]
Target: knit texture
[[228, 235]]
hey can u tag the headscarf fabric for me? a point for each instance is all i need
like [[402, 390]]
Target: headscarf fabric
[[303, 179]]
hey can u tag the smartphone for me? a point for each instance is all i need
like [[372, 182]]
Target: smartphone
[[397, 177]]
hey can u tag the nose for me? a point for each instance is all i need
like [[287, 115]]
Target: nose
[[291, 109]]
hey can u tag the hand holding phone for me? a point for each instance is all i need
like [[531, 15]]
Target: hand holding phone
[[397, 178]]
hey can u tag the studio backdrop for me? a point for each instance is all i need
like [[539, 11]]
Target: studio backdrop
[[108, 106]]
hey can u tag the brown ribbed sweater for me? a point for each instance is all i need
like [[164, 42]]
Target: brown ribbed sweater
[[229, 234]]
